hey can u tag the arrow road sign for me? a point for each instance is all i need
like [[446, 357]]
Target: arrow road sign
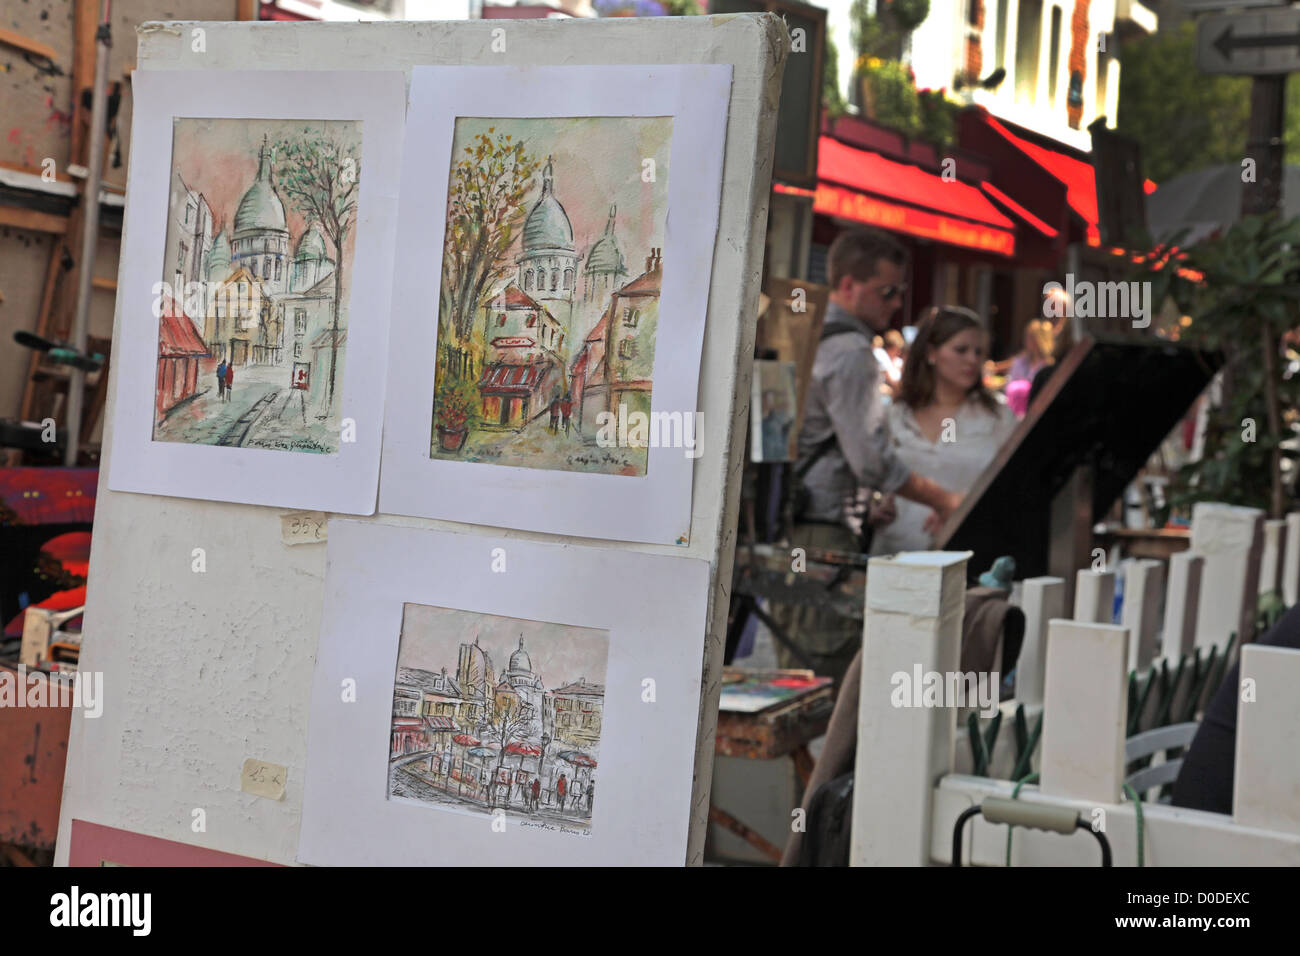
[[1255, 44]]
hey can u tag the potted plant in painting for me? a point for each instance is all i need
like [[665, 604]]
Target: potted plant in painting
[[452, 413]]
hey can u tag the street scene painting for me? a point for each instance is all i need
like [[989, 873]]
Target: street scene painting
[[253, 303], [495, 713], [549, 297]]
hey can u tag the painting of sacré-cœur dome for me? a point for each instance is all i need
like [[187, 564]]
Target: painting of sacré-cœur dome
[[549, 298], [252, 306]]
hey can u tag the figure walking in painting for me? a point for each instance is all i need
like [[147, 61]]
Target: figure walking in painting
[[230, 378], [555, 414], [221, 381], [566, 409], [591, 793], [561, 788], [537, 793]]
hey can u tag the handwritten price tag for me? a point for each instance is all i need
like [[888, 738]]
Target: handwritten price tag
[[303, 527], [263, 779]]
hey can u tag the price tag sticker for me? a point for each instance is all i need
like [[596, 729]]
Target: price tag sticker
[[263, 779], [304, 527]]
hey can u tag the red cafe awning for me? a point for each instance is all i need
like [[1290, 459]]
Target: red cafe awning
[[1075, 174], [465, 740], [519, 749], [866, 187]]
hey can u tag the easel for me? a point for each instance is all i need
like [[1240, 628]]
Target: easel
[[259, 571]]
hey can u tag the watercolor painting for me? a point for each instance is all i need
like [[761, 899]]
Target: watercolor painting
[[253, 302], [495, 713], [549, 296]]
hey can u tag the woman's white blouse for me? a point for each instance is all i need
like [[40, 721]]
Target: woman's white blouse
[[973, 438]]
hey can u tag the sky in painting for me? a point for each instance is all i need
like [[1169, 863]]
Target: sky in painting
[[560, 653], [218, 158]]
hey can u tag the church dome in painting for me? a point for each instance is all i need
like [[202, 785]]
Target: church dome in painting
[[311, 245], [605, 255], [520, 661], [219, 258], [261, 207], [547, 225]]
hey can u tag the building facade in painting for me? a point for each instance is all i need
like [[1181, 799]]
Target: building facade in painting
[[578, 710], [548, 259], [525, 358]]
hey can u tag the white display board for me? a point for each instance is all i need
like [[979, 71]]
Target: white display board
[[205, 620]]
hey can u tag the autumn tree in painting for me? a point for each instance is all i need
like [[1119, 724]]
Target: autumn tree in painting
[[484, 212], [320, 177]]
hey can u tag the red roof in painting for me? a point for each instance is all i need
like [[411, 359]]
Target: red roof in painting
[[510, 378], [177, 336], [512, 297]]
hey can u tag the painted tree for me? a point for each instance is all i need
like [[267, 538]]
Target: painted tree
[[320, 175], [508, 724], [485, 209]]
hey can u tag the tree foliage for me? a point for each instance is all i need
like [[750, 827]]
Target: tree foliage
[[1245, 305], [484, 212], [1184, 119], [321, 175]]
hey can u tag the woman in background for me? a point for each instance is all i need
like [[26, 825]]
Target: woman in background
[[944, 422], [1037, 354]]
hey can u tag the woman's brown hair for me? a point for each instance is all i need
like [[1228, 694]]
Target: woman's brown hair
[[940, 324]]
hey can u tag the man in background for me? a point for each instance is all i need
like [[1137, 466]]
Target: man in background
[[844, 443]]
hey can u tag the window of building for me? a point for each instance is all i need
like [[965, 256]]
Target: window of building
[[1053, 57], [627, 349], [180, 257], [501, 320], [631, 317], [528, 279], [297, 348], [555, 279], [300, 321], [1029, 29], [532, 319], [266, 268], [277, 269], [189, 211], [568, 278]]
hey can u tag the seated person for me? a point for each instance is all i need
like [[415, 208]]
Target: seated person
[[1205, 778]]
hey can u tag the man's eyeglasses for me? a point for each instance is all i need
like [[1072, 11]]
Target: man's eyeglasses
[[893, 291]]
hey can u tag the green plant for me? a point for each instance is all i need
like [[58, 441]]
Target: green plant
[[1241, 291], [455, 402]]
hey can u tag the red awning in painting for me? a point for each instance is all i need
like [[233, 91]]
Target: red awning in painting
[[465, 740], [519, 749], [504, 379], [408, 723], [440, 723], [178, 338]]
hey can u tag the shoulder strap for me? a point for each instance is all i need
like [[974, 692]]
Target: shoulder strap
[[828, 331]]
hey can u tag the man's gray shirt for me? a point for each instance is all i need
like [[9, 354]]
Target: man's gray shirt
[[844, 400]]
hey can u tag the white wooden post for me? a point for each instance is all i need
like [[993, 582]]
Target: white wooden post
[[1143, 588], [1085, 706], [1291, 563], [1270, 563], [1094, 597], [1042, 599], [1232, 540], [915, 605], [1181, 601], [1267, 775]]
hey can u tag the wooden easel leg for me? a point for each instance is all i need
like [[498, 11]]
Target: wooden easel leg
[[1070, 544]]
